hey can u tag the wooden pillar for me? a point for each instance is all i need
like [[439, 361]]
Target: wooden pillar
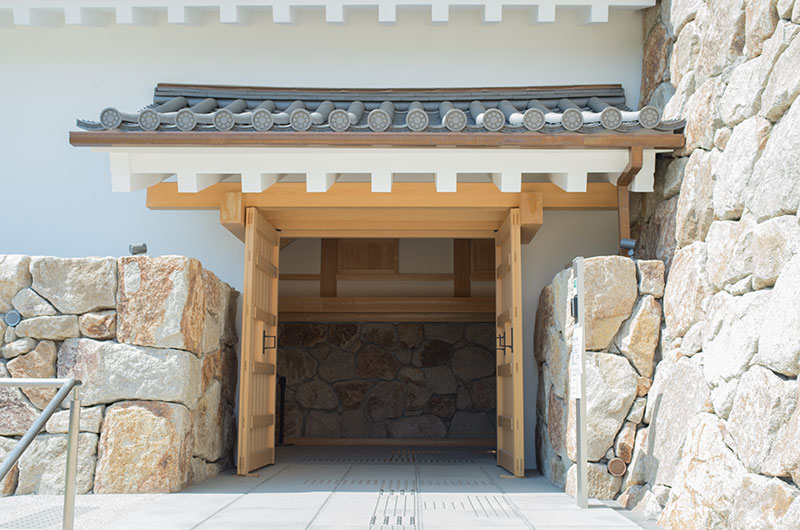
[[635, 161], [232, 212]]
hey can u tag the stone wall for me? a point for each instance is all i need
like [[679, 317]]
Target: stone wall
[[720, 442], [153, 341], [379, 380], [623, 317]]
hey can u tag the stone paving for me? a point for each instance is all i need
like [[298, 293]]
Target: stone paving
[[342, 488]]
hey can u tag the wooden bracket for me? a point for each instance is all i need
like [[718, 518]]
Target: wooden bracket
[[635, 162], [232, 213], [531, 215]]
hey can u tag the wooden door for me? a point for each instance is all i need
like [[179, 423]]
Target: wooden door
[[259, 344], [508, 296]]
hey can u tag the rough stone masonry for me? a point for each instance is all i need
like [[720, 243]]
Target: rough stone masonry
[[153, 342], [719, 445]]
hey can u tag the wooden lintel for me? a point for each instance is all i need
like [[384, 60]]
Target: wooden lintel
[[531, 215], [282, 195], [386, 305], [232, 213], [477, 443], [635, 162], [644, 138]]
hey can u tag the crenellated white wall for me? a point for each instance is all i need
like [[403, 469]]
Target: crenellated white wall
[[56, 199]]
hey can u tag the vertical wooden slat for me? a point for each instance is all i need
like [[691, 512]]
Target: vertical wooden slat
[[510, 388], [328, 267], [461, 267], [259, 302]]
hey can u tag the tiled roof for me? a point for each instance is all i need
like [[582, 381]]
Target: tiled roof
[[588, 109]]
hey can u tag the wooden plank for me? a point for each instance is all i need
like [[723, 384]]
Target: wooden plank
[[263, 368], [505, 459], [263, 316], [261, 421], [504, 370], [385, 317], [266, 267], [385, 305], [327, 267], [645, 138], [300, 277], [283, 195], [531, 215], [374, 256], [324, 233], [461, 267], [505, 422], [231, 213], [398, 277], [503, 269], [392, 442], [262, 458], [503, 318]]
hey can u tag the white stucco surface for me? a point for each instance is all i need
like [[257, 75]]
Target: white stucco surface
[[56, 200]]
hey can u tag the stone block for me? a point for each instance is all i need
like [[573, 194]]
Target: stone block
[[761, 17], [337, 366], [623, 446], [374, 362], [425, 426], [763, 405], [779, 343], [687, 288], [735, 166], [8, 484], [15, 275], [38, 364], [783, 85], [763, 502], [433, 353], [91, 421], [638, 337], [601, 484], [610, 391], [472, 362], [656, 240], [212, 424], [101, 325], [30, 304], [317, 394], [42, 467], [157, 437], [707, 480], [49, 328], [17, 413], [18, 347], [351, 394], [440, 380], [677, 13], [610, 289], [775, 242], [113, 372], [655, 63], [722, 37], [472, 425], [695, 209], [729, 250], [684, 52], [321, 424], [386, 400], [76, 285], [651, 277], [702, 113], [296, 364]]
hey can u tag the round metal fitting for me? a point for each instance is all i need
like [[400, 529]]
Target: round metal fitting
[[649, 117], [262, 120], [300, 119], [12, 318], [149, 120], [617, 467], [185, 120], [572, 119], [339, 120], [110, 118], [493, 120], [378, 120], [533, 119], [417, 120], [455, 120], [611, 118], [223, 120]]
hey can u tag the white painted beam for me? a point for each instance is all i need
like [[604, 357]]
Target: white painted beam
[[319, 181], [509, 182], [545, 13], [492, 13], [387, 13], [334, 13], [123, 180], [644, 180], [6, 18], [283, 14], [44, 17], [186, 16], [446, 181], [440, 13], [85, 16], [191, 182], [596, 13], [256, 182], [573, 181], [233, 14], [381, 181], [135, 16]]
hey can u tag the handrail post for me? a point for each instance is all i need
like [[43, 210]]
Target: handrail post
[[72, 460]]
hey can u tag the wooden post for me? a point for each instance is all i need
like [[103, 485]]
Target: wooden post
[[232, 213], [623, 209]]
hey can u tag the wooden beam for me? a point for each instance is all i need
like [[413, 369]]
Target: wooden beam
[[394, 442], [283, 195], [386, 305], [232, 213], [327, 267], [531, 215], [386, 317], [375, 277], [623, 207], [286, 241], [643, 138], [461, 267]]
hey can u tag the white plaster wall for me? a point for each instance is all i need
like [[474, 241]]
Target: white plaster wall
[[56, 199]]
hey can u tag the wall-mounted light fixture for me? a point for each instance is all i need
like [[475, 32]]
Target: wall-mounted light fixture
[[135, 249]]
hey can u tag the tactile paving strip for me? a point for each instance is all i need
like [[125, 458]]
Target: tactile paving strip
[[46, 518]]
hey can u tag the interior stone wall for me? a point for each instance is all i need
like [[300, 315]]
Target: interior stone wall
[[722, 423], [388, 380], [153, 342]]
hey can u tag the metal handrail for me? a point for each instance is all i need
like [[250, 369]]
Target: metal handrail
[[65, 387]]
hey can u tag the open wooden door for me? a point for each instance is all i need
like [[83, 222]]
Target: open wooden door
[[508, 296], [259, 344]]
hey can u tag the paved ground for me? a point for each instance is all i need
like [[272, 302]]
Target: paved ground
[[338, 488]]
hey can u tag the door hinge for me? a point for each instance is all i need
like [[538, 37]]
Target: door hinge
[[503, 345]]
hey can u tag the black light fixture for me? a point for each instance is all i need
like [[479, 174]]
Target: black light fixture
[[137, 249]]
